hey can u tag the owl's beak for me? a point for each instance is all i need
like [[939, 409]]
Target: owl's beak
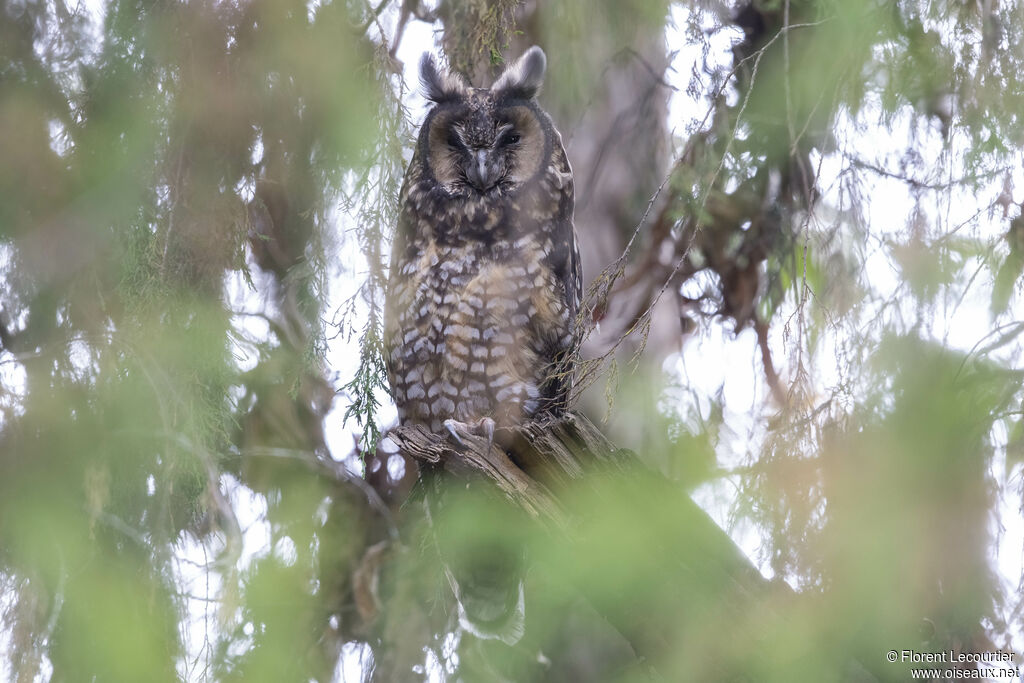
[[482, 172]]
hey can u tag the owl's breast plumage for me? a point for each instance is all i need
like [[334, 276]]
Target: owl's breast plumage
[[476, 315]]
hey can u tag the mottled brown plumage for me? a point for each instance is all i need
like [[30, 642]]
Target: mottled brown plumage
[[485, 275]]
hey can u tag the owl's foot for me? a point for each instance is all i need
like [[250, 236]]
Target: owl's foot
[[482, 427]]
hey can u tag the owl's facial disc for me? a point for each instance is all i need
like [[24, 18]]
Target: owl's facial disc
[[487, 141]]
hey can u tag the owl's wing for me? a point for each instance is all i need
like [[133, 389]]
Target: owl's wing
[[566, 245], [564, 259], [565, 264], [574, 277], [395, 288], [404, 227]]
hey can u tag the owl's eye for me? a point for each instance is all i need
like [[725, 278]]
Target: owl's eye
[[511, 139], [453, 140]]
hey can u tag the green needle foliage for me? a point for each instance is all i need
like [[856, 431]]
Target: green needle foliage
[[197, 200]]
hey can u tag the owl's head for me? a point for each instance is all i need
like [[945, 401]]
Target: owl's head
[[486, 140]]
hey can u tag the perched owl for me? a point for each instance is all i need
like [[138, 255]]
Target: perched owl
[[485, 274], [484, 287]]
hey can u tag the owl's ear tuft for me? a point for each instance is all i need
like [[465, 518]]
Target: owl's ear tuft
[[522, 80], [437, 86]]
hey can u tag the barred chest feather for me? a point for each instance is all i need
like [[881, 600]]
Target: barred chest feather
[[473, 328]]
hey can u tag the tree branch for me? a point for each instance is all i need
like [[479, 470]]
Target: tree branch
[[533, 463]]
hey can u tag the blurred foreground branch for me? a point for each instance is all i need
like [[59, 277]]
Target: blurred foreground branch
[[539, 465]]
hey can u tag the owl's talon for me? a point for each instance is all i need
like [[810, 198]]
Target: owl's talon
[[482, 427], [453, 427], [487, 425]]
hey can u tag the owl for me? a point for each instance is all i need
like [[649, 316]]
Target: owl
[[485, 277]]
